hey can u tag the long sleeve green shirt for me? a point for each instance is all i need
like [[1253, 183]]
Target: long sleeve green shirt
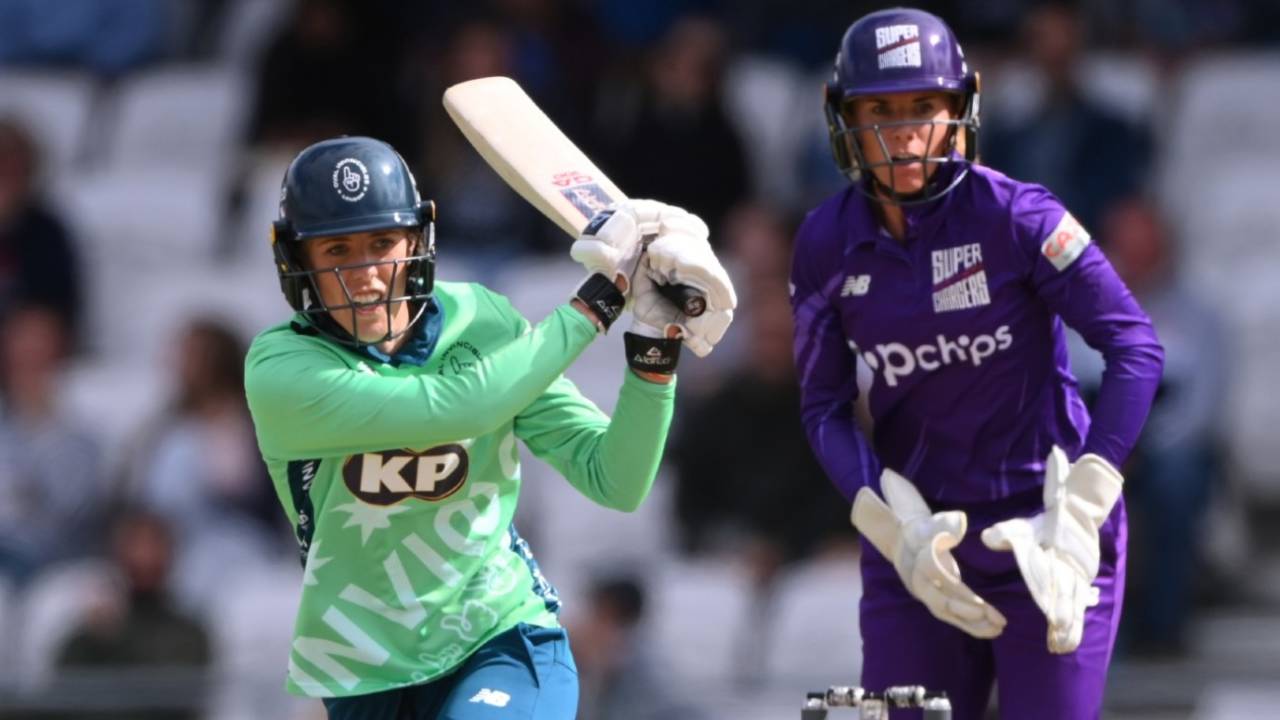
[[401, 481]]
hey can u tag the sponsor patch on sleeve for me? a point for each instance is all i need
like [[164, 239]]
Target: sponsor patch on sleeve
[[1066, 243]]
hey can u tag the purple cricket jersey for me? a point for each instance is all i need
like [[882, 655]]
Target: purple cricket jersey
[[958, 339]]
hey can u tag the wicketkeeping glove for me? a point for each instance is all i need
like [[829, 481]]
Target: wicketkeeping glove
[[681, 254], [918, 542], [1057, 551]]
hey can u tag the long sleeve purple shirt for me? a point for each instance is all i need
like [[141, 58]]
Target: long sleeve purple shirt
[[958, 336]]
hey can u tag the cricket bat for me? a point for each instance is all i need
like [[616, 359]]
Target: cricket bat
[[539, 162]]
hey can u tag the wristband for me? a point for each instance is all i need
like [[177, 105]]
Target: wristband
[[604, 299], [654, 355]]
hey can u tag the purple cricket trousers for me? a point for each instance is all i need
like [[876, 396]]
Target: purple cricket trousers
[[903, 644]]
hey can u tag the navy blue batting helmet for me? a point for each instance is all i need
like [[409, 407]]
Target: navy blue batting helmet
[[893, 51], [344, 186]]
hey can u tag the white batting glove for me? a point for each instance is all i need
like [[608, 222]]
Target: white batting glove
[[1057, 552], [918, 542], [681, 254], [611, 242]]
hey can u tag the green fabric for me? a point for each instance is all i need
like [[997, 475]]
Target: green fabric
[[402, 482]]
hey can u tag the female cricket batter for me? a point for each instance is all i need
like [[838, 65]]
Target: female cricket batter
[[935, 291], [388, 409]]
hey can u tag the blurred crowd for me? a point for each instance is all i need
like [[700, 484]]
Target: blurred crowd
[[141, 147]]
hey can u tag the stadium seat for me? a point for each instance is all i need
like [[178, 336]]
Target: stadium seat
[[148, 241], [1230, 247], [815, 637], [535, 288], [246, 29], [56, 107], [1218, 116], [1127, 83], [51, 608], [112, 398], [252, 628], [699, 613], [8, 629], [259, 187], [761, 96], [178, 116]]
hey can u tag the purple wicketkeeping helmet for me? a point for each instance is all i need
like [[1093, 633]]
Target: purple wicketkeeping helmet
[[893, 51]]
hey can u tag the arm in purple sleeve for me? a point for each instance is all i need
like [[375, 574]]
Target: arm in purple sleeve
[[1077, 282], [826, 369]]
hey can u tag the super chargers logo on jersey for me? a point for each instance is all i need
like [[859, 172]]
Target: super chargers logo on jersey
[[959, 278], [895, 361], [387, 477]]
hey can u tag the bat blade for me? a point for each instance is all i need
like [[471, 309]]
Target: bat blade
[[529, 152], [536, 159]]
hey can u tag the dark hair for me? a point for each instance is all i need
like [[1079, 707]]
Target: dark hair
[[622, 597], [224, 360], [17, 142]]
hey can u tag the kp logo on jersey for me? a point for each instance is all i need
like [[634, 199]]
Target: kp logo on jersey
[[387, 477]]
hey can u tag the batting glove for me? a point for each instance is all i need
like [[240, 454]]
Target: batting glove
[[1057, 551], [681, 254], [612, 241], [918, 542]]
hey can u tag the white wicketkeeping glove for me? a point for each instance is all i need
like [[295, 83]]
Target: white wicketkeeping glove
[[611, 242], [918, 542], [1057, 551], [681, 254]]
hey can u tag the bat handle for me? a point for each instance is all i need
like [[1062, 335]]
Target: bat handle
[[689, 300]]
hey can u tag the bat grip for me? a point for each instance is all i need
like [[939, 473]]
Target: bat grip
[[688, 300]]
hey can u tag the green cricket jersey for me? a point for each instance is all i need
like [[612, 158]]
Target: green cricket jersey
[[401, 482]]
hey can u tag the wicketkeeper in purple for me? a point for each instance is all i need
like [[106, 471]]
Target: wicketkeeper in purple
[[932, 294]]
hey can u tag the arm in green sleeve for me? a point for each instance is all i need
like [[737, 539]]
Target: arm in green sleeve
[[307, 403], [613, 462]]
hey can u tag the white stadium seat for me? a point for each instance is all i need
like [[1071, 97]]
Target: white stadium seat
[[1223, 111], [815, 637], [55, 107], [699, 613], [53, 605], [761, 96], [251, 627], [247, 28], [183, 116]]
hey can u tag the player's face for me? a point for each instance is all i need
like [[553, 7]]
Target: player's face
[[907, 125], [357, 275]]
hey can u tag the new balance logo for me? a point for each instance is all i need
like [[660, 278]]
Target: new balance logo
[[496, 698], [856, 286]]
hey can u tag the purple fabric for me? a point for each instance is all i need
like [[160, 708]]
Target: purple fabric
[[960, 332], [904, 645]]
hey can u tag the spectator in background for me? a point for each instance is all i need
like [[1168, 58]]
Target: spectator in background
[[38, 262], [747, 481], [1084, 153], [141, 628], [678, 113], [483, 220], [619, 676], [198, 461], [325, 76], [50, 483], [1176, 463]]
